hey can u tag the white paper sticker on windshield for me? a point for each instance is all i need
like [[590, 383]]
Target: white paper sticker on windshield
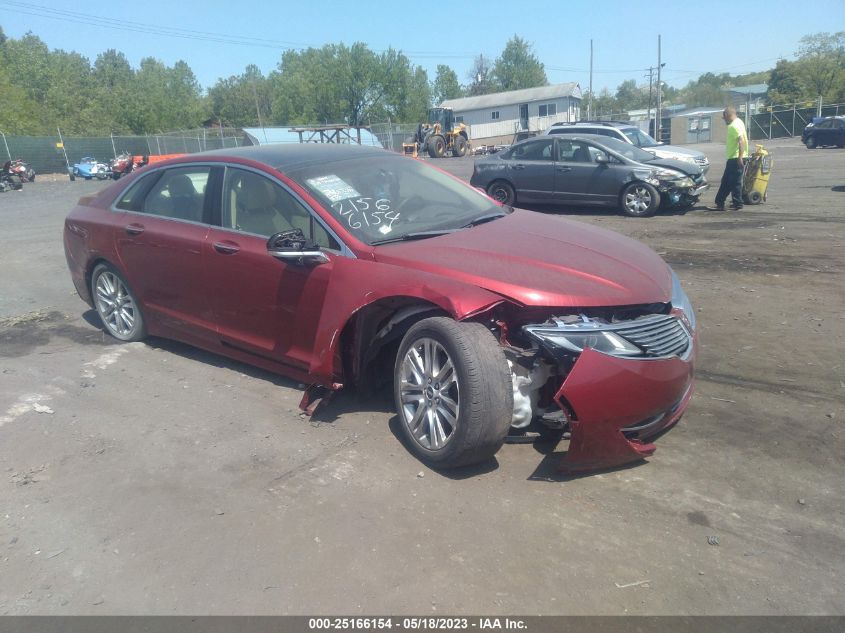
[[384, 229], [333, 187]]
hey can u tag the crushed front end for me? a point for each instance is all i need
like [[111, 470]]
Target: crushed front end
[[612, 378]]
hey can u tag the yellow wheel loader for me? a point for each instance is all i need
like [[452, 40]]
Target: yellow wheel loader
[[440, 137]]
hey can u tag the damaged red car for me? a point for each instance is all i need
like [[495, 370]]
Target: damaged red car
[[344, 266]]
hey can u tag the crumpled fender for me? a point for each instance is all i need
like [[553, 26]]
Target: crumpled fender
[[607, 394], [349, 295]]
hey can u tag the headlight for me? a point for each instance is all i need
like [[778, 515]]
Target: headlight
[[684, 182], [681, 301], [667, 174], [601, 341]]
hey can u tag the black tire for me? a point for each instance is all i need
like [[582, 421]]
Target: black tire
[[72, 176], [811, 142], [31, 175], [436, 146], [109, 290], [459, 147], [754, 197], [639, 200], [502, 191], [479, 386]]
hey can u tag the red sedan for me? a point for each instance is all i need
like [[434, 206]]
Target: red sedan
[[346, 266]]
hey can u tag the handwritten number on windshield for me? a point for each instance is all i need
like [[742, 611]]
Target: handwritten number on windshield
[[369, 211]]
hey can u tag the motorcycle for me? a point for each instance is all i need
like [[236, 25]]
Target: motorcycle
[[9, 181], [21, 169], [121, 165]]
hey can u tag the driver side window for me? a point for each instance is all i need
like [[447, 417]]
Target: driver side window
[[255, 204]]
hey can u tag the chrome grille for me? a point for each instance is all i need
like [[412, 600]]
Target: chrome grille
[[659, 335]]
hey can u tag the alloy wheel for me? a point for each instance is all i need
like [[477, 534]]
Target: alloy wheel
[[638, 200], [115, 304], [430, 394]]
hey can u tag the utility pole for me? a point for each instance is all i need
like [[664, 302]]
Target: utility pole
[[650, 77], [659, 105], [590, 102]]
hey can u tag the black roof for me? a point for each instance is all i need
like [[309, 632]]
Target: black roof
[[283, 155]]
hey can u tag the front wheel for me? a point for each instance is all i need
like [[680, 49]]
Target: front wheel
[[640, 200], [811, 142], [116, 305], [459, 146], [502, 191], [453, 392], [436, 146]]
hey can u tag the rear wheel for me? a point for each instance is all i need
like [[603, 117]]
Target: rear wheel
[[116, 305], [459, 146], [436, 146], [453, 392], [754, 197], [640, 200], [502, 191]]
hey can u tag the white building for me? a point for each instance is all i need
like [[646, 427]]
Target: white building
[[497, 117]]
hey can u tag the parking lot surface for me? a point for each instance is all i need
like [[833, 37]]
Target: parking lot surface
[[156, 478]]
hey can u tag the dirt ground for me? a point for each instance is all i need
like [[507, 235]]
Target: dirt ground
[[155, 478]]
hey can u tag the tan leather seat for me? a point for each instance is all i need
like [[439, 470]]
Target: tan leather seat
[[256, 205]]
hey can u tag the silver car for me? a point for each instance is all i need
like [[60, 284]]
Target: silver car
[[629, 133]]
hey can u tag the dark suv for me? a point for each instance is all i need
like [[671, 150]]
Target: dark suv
[[630, 133], [827, 131]]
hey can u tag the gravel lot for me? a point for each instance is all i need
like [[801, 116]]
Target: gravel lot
[[156, 478]]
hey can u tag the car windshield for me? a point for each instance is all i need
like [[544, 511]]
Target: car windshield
[[639, 138], [385, 196], [627, 150]]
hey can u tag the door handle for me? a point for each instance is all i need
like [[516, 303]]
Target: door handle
[[226, 248], [564, 168], [519, 166], [134, 229]]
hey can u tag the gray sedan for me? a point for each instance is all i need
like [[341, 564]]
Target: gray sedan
[[589, 170]]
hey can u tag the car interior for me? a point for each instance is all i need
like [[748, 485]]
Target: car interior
[[254, 204]]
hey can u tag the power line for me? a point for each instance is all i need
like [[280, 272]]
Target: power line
[[209, 36]]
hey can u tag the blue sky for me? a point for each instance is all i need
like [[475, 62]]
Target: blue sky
[[224, 36]]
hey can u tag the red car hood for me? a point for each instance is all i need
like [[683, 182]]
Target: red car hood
[[542, 261]]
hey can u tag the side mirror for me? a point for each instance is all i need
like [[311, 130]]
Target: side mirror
[[602, 159], [292, 246]]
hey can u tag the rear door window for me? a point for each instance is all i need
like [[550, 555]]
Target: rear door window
[[179, 194]]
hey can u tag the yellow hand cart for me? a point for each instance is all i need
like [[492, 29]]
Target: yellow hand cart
[[755, 179]]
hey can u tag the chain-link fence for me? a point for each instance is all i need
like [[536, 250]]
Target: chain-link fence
[[392, 135], [46, 154], [781, 121]]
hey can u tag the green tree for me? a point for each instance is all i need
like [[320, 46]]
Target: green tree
[[18, 112], [518, 67], [240, 99], [27, 61], [821, 64], [785, 83], [630, 96], [70, 99], [445, 85], [113, 78], [480, 77]]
